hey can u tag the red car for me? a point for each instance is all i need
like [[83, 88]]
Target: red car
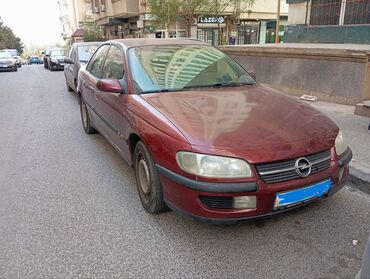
[[205, 139]]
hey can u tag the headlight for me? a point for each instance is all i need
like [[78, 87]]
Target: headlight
[[212, 166], [54, 60], [340, 144]]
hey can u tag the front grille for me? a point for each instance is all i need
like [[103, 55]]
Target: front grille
[[217, 202], [284, 170]]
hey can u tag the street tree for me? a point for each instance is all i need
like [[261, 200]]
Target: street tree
[[188, 9], [93, 33], [236, 7], [8, 39], [164, 12]]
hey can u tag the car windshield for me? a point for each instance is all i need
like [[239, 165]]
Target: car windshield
[[5, 55], [85, 52], [12, 52], [57, 52], [178, 67]]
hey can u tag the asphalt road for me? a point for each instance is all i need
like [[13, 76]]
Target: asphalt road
[[69, 208]]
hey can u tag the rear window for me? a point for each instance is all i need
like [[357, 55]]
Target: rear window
[[85, 52]]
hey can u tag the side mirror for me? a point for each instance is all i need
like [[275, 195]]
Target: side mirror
[[109, 85], [68, 61], [253, 75]]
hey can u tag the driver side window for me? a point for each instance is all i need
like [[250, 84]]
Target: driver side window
[[95, 67], [114, 64]]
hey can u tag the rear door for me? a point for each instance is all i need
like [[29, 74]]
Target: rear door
[[89, 90]]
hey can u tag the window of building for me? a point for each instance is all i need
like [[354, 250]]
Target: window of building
[[357, 12], [325, 12]]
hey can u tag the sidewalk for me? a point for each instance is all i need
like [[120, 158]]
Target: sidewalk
[[355, 129]]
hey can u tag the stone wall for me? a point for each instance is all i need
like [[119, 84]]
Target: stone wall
[[333, 73]]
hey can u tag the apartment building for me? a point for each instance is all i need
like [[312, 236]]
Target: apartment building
[[248, 24], [73, 15]]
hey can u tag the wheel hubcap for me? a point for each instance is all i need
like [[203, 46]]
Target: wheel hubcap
[[84, 115], [144, 177]]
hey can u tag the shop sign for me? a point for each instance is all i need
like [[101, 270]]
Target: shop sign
[[211, 19]]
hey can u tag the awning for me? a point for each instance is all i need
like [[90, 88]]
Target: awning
[[79, 33]]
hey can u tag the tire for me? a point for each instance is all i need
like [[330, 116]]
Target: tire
[[15, 69], [69, 88], [148, 184], [85, 118]]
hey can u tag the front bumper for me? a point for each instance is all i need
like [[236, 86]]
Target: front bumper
[[184, 195], [7, 67], [56, 66]]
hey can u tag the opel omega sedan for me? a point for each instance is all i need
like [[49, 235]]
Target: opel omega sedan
[[204, 138]]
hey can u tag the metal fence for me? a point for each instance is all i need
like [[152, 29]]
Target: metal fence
[[329, 12]]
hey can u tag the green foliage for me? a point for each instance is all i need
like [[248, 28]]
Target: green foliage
[[93, 33], [164, 11], [8, 39]]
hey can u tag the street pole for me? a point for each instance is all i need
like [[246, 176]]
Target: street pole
[[277, 29]]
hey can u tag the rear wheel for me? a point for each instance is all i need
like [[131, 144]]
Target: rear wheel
[[85, 118], [147, 180]]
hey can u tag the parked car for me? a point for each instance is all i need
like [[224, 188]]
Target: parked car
[[24, 61], [364, 272], [204, 138], [7, 62], [79, 54], [46, 55], [35, 60], [55, 59], [14, 53]]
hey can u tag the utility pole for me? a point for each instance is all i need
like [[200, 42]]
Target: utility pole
[[277, 22]]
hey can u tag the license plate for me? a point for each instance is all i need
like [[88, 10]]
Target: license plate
[[4, 66], [301, 195]]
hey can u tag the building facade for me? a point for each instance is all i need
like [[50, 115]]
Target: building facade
[[328, 21], [250, 24], [73, 15]]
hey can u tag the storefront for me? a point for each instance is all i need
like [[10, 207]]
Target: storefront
[[208, 28], [248, 32]]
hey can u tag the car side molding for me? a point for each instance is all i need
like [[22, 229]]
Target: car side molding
[[203, 186], [345, 158]]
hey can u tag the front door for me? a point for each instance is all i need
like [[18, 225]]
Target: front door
[[112, 106]]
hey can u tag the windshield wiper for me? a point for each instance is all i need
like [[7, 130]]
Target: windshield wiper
[[162, 90], [228, 84]]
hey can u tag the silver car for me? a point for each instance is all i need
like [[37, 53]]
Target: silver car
[[7, 62]]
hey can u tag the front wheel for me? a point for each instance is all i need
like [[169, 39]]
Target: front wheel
[[85, 118], [147, 180]]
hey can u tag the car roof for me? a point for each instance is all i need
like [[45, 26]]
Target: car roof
[[154, 42], [86, 43]]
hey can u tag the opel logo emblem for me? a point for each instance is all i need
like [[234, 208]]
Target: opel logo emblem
[[303, 167]]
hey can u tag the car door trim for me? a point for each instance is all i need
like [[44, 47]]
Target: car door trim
[[114, 129]]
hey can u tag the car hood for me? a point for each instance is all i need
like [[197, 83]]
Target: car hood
[[253, 122]]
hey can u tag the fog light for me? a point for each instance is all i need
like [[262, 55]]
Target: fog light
[[244, 202]]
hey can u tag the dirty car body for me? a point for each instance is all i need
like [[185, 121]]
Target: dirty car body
[[205, 139]]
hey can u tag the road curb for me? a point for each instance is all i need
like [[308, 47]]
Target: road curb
[[359, 179]]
